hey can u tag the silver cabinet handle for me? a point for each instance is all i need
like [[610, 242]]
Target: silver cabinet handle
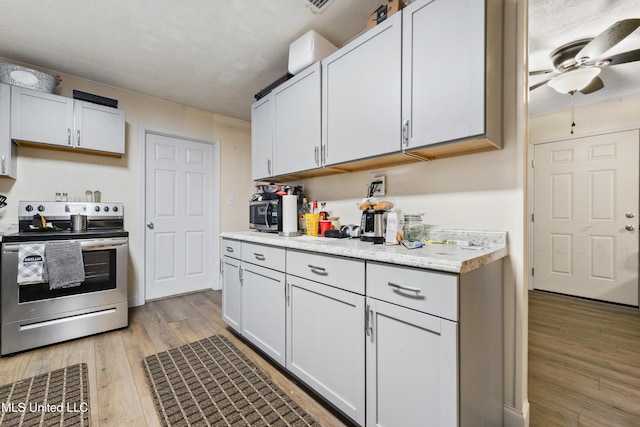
[[269, 166], [241, 275], [631, 227], [405, 132], [150, 225], [229, 249], [318, 270], [404, 288], [3, 165], [78, 133], [368, 321], [259, 257], [323, 154], [68, 136], [315, 149]]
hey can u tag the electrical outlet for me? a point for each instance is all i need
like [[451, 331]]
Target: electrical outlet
[[379, 181]]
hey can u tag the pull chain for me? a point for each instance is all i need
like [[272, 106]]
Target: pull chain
[[573, 122]]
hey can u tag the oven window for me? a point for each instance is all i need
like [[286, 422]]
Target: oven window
[[99, 272]]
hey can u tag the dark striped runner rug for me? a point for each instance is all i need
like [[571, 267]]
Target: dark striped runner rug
[[211, 383], [59, 398]]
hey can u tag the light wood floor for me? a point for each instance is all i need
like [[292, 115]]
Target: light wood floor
[[119, 395], [584, 362]]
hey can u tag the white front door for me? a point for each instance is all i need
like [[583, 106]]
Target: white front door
[[179, 223], [586, 217]]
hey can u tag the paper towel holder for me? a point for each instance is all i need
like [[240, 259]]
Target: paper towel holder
[[288, 214]]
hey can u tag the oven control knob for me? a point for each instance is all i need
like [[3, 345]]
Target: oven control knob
[[97, 209], [106, 208], [40, 208], [115, 209], [28, 208]]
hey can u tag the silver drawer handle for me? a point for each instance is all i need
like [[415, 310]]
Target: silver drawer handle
[[259, 257], [229, 249], [404, 288], [318, 270]]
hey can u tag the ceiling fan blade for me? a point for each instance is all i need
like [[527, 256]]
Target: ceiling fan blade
[[540, 72], [622, 58], [607, 39], [596, 84], [537, 85]]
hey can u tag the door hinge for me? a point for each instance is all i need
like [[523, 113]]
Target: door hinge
[[532, 271], [532, 216], [533, 163]]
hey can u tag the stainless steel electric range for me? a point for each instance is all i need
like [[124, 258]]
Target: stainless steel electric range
[[36, 314]]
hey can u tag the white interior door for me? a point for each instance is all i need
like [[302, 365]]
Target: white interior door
[[179, 223], [586, 217]]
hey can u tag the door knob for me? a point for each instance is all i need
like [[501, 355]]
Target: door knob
[[631, 227], [150, 225], [630, 215]]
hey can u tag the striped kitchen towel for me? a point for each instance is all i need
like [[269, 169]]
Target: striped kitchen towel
[[65, 266], [31, 265]]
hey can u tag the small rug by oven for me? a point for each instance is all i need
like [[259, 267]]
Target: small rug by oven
[[211, 383], [59, 398]]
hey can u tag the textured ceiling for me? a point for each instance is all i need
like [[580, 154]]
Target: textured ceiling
[[553, 23], [210, 54], [215, 55]]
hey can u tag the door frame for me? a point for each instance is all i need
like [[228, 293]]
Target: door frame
[[531, 189], [215, 201]]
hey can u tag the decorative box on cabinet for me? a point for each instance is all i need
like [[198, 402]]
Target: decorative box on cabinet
[[8, 153], [57, 121]]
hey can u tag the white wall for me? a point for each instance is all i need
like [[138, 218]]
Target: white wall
[[43, 172]]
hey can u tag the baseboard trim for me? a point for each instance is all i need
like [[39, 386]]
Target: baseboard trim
[[516, 418]]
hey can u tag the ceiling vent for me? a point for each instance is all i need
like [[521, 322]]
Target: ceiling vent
[[317, 6]]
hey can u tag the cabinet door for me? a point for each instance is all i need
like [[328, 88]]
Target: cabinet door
[[412, 375], [325, 343], [361, 90], [297, 122], [262, 138], [443, 78], [98, 128], [7, 147], [41, 117], [263, 310], [231, 293]]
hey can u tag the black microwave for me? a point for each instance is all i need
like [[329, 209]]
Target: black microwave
[[263, 215]]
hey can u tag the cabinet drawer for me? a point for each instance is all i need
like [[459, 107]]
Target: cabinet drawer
[[231, 248], [426, 291], [343, 273], [265, 256]]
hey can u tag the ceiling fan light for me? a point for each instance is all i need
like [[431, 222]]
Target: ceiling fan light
[[573, 81]]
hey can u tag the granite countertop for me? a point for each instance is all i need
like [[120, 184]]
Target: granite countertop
[[487, 247]]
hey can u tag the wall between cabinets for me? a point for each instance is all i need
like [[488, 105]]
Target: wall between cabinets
[[43, 172]]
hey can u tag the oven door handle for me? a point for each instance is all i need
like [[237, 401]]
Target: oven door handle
[[86, 245]]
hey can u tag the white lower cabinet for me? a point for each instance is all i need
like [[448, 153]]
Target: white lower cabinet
[[412, 377], [232, 285], [263, 310], [325, 343]]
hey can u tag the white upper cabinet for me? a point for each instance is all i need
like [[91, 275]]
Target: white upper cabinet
[[297, 122], [7, 147], [50, 119], [361, 88], [445, 81], [285, 127], [262, 122]]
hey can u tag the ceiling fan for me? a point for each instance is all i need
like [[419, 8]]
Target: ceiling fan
[[578, 63]]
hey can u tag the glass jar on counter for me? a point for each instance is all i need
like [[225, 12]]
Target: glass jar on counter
[[413, 228]]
